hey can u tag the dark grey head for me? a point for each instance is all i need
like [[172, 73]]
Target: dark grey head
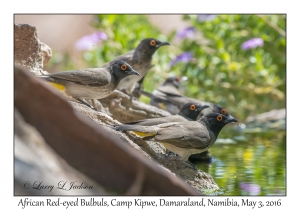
[[216, 121], [191, 110], [120, 69], [219, 109], [173, 81], [149, 46]]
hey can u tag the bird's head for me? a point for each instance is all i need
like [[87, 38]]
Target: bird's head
[[175, 81], [121, 69], [150, 45], [219, 109], [192, 110], [216, 121]]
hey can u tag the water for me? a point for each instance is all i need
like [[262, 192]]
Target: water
[[248, 163]]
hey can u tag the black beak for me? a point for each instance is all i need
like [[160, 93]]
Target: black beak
[[202, 107], [163, 43], [133, 72], [230, 116], [231, 119]]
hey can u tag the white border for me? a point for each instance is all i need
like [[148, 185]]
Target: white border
[[128, 6]]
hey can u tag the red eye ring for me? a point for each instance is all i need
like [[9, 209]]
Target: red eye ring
[[192, 107], [223, 111], [152, 42], [124, 67], [219, 118]]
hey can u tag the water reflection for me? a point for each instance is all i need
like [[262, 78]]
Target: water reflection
[[251, 164], [249, 189]]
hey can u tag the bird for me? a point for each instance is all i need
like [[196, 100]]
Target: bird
[[91, 83], [183, 138], [140, 59], [169, 87], [168, 97], [189, 112]]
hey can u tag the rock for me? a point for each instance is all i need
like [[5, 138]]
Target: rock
[[37, 165], [276, 114], [28, 49], [47, 53], [272, 120]]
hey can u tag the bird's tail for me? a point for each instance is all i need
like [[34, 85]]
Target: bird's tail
[[145, 93], [53, 83], [150, 95], [45, 77], [143, 131], [134, 122]]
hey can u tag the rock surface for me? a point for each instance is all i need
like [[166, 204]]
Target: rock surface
[[268, 121], [28, 50], [276, 114], [32, 171]]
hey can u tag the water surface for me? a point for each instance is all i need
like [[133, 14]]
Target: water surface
[[248, 163]]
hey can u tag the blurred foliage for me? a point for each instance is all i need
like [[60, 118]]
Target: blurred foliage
[[59, 62], [246, 82]]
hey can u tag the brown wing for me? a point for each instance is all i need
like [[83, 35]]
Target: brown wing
[[160, 120], [91, 77], [185, 135]]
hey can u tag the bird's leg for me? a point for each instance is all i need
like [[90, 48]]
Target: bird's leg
[[87, 104], [187, 161], [98, 104], [93, 103], [191, 164], [130, 92]]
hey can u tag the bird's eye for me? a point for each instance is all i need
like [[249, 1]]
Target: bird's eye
[[219, 118], [223, 111], [192, 107], [152, 42], [178, 79], [124, 67]]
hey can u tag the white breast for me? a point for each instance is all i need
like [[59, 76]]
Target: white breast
[[184, 153], [86, 92]]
